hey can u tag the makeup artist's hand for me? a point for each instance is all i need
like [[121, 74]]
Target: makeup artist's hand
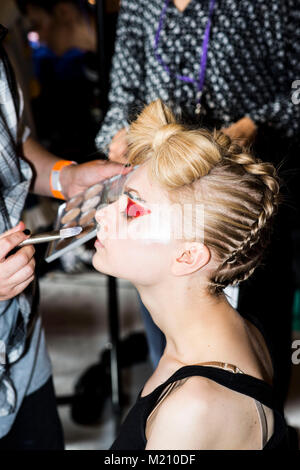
[[76, 178], [17, 270], [118, 147], [244, 130]]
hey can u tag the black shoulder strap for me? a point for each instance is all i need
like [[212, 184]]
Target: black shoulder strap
[[242, 383]]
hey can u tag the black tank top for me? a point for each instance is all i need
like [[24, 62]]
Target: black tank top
[[132, 432]]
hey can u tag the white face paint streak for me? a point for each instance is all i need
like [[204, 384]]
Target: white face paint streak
[[164, 223], [152, 228]]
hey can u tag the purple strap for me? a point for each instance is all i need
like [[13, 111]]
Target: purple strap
[[205, 46], [203, 59]]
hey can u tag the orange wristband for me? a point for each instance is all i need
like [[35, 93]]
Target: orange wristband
[[55, 185]]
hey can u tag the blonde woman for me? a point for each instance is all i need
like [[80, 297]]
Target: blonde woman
[[160, 52], [216, 368]]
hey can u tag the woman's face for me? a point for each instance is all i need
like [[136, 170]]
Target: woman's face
[[134, 239]]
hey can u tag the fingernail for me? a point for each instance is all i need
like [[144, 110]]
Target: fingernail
[[27, 231]]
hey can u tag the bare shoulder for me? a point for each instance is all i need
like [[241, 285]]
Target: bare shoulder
[[195, 415], [195, 398], [195, 392]]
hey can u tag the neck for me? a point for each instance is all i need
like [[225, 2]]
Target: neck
[[181, 4], [192, 320]]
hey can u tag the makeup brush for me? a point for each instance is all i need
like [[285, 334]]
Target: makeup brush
[[50, 236]]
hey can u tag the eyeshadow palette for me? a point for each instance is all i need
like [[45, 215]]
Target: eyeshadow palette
[[80, 210]]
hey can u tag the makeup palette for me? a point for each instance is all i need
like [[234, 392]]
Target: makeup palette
[[80, 211]]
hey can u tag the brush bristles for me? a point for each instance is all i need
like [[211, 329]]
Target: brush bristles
[[70, 232]]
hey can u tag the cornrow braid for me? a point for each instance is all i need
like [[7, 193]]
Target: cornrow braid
[[245, 255]]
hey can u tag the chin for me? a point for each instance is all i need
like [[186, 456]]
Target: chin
[[97, 264], [101, 268]]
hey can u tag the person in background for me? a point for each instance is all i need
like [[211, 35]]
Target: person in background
[[67, 109], [203, 59], [28, 414], [216, 368]]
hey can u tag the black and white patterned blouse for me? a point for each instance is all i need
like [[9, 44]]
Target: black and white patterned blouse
[[253, 59]]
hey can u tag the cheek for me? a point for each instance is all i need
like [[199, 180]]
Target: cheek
[[150, 230], [133, 260], [141, 262], [138, 252]]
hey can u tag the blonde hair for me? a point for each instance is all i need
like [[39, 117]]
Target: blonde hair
[[239, 193]]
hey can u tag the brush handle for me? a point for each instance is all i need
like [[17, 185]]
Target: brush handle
[[41, 238]]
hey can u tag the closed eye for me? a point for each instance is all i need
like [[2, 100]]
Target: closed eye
[[134, 210]]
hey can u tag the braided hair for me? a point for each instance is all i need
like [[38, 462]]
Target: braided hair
[[239, 193], [261, 179]]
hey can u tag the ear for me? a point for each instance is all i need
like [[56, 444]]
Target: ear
[[190, 257]]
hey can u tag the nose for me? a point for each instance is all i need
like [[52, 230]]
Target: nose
[[100, 214], [107, 216], [101, 218]]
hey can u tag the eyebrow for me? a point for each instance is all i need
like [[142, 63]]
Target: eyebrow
[[128, 190]]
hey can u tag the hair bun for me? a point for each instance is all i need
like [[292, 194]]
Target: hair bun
[[163, 134]]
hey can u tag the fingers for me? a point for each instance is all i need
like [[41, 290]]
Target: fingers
[[17, 228], [236, 135], [10, 241], [118, 147], [243, 130], [21, 287], [25, 273], [119, 137], [117, 158], [17, 270], [107, 169], [233, 132], [121, 133], [118, 151], [16, 262]]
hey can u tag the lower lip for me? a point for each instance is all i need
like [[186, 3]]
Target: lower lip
[[98, 244]]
